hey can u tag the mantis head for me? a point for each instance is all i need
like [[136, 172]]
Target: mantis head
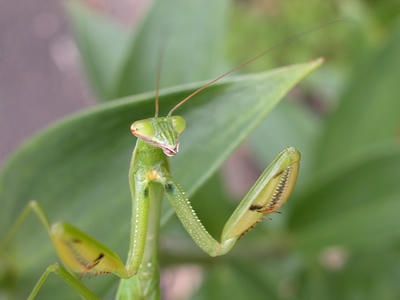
[[160, 132]]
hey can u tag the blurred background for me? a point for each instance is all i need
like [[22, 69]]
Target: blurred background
[[42, 80], [342, 221]]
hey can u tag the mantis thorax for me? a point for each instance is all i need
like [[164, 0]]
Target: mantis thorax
[[160, 132]]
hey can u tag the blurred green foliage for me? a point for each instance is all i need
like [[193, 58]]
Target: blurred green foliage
[[338, 237]]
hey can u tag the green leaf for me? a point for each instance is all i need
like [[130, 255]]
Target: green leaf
[[101, 41], [369, 111], [77, 168], [120, 64], [355, 206], [192, 40]]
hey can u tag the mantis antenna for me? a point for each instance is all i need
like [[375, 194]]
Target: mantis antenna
[[246, 62], [160, 59]]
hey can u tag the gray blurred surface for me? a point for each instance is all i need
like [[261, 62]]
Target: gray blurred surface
[[40, 76], [40, 79]]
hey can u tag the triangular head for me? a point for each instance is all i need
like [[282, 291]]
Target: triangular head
[[162, 132]]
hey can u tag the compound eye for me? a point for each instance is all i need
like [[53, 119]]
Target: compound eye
[[143, 128], [179, 124]]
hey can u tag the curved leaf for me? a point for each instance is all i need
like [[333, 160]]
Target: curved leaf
[[121, 61], [77, 168], [192, 40], [102, 43]]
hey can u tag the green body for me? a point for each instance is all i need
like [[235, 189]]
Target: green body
[[147, 161]]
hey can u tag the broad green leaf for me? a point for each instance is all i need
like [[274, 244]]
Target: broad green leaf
[[369, 111], [192, 40], [356, 206], [77, 168], [101, 41]]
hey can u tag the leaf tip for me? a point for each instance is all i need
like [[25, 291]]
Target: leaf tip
[[317, 62], [314, 64]]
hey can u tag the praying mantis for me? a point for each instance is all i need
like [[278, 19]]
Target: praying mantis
[[149, 179]]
